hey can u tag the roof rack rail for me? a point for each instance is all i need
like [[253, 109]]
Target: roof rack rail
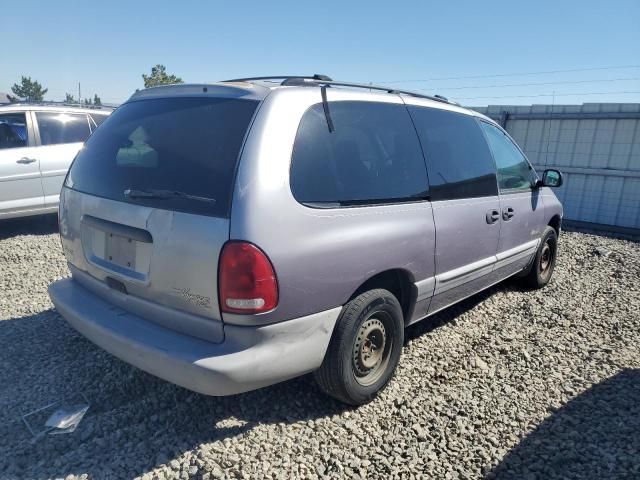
[[323, 80], [284, 78], [52, 103]]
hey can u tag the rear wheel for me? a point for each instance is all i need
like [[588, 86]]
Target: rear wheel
[[545, 260], [364, 349]]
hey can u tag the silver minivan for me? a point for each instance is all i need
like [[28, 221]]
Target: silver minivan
[[229, 236], [37, 145]]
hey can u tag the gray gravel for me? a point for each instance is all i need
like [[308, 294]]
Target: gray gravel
[[510, 384]]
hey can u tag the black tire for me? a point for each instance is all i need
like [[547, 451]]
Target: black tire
[[364, 349], [544, 262]]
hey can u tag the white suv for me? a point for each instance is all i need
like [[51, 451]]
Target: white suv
[[38, 142]]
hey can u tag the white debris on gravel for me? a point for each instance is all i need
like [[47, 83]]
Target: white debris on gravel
[[510, 384]]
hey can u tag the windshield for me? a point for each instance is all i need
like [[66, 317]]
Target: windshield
[[185, 145]]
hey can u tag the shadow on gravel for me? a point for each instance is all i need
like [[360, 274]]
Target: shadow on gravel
[[136, 422], [449, 314], [595, 435], [35, 225]]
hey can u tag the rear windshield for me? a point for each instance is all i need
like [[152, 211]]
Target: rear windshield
[[170, 153]]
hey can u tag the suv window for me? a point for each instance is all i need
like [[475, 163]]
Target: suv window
[[372, 156], [13, 130], [514, 171], [458, 159], [162, 146], [61, 127]]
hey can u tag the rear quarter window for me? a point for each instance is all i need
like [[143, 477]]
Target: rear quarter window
[[188, 145], [372, 156]]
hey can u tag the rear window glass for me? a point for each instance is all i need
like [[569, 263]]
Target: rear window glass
[[60, 127], [459, 161], [174, 153], [372, 156]]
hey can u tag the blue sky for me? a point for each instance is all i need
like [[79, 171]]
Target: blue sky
[[108, 45]]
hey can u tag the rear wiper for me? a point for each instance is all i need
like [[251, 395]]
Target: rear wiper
[[163, 194]]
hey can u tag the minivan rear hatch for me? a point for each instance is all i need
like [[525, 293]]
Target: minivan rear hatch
[[145, 209]]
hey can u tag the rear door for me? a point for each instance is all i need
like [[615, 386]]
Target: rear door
[[145, 209], [521, 209], [20, 184], [464, 195], [61, 136]]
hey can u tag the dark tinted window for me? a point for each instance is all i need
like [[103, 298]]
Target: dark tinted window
[[514, 171], [187, 145], [13, 130], [458, 159], [60, 127], [373, 155]]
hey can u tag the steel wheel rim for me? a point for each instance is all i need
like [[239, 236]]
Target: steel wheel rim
[[372, 349], [546, 258]]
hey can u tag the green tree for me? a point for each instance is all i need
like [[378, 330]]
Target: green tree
[[68, 98], [159, 76], [29, 90], [96, 100]]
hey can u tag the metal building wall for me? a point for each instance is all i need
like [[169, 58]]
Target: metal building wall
[[595, 145]]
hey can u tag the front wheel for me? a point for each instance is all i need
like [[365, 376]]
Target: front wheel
[[364, 349], [545, 260]]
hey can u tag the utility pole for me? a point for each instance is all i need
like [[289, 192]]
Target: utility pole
[[79, 96]]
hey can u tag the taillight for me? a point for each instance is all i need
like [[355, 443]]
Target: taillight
[[246, 281]]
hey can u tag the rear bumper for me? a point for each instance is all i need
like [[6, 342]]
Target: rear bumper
[[248, 358]]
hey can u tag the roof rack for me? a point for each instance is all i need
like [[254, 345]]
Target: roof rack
[[284, 78], [323, 80], [58, 104]]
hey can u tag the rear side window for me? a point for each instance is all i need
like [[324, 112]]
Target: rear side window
[[62, 127], [458, 159], [170, 153], [514, 171], [13, 130], [372, 156]]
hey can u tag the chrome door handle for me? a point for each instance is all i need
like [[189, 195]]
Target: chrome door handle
[[25, 160]]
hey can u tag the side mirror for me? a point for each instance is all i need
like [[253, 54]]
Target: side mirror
[[551, 178]]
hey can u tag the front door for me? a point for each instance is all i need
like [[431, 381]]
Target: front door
[[466, 206], [20, 184], [521, 210]]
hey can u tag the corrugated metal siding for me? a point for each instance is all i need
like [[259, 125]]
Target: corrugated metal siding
[[600, 157]]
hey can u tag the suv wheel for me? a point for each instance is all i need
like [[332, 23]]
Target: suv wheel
[[364, 349], [544, 262]]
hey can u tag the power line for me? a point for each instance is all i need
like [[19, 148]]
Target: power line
[[548, 95], [516, 74], [531, 84]]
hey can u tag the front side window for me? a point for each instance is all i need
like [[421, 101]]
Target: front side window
[[13, 130], [458, 159], [372, 156], [60, 127], [514, 171]]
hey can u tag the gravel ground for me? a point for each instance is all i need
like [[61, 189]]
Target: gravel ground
[[509, 384]]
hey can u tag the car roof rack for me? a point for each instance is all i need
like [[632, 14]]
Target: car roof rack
[[324, 80], [58, 104], [284, 78]]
